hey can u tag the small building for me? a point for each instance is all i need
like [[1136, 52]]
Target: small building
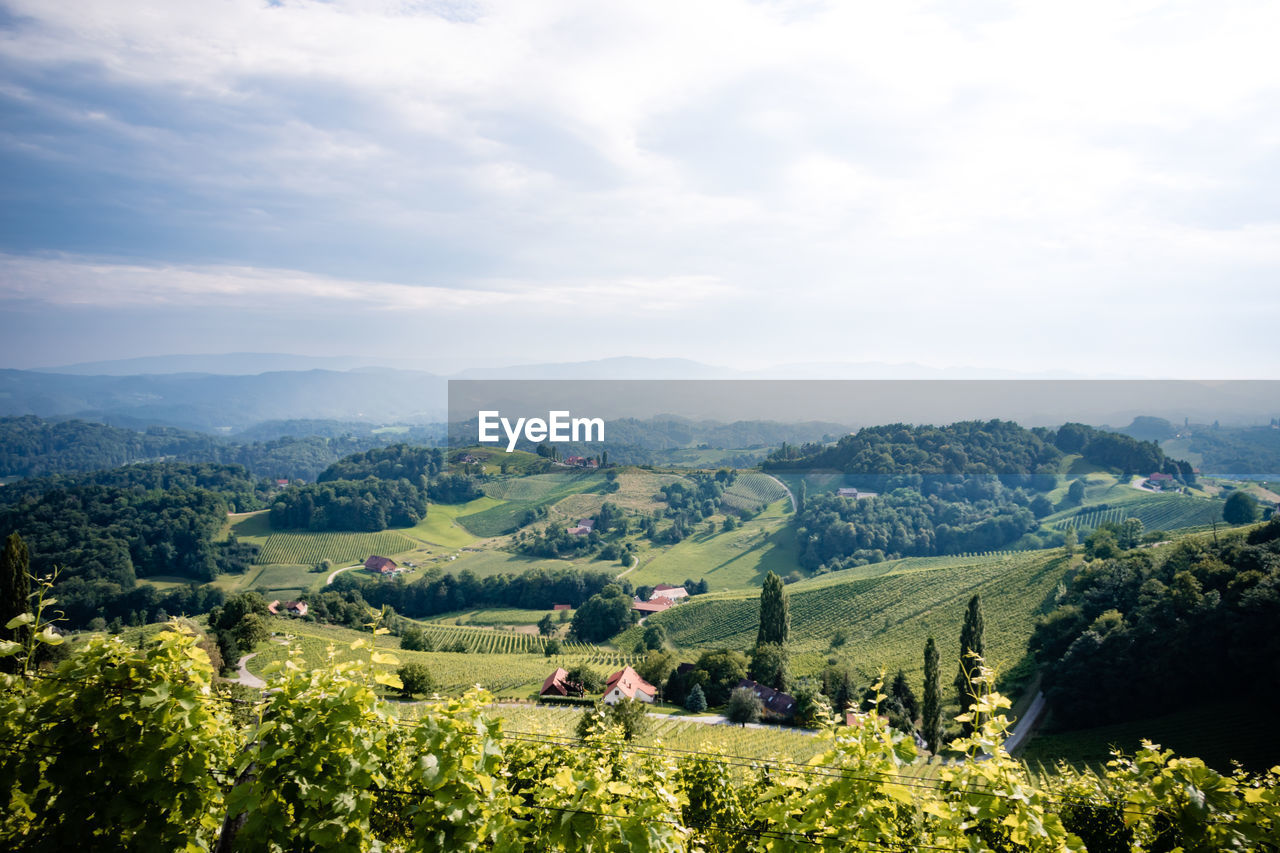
[[653, 605], [381, 565], [626, 683], [1159, 480], [281, 483], [562, 607], [847, 493], [289, 608], [585, 526], [775, 702], [556, 684], [666, 590]]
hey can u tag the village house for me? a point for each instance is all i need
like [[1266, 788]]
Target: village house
[[585, 526], [1160, 481], [381, 565], [653, 605], [556, 684], [626, 683], [562, 607], [666, 590], [775, 702], [290, 608]]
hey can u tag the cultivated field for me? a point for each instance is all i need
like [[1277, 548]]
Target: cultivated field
[[341, 548]]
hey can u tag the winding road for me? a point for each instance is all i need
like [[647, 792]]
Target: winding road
[[785, 489], [245, 677]]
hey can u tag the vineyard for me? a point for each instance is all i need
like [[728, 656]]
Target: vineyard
[[341, 548], [1160, 512], [752, 489], [885, 618], [506, 663]]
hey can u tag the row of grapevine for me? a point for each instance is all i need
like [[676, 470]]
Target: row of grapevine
[[342, 548], [1169, 512], [753, 488]]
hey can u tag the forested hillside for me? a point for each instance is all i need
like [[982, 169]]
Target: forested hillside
[[1141, 632]]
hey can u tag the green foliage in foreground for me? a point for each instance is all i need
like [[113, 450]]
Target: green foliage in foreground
[[133, 749]]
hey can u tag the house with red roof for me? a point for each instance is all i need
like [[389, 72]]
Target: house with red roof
[[653, 605], [775, 702], [556, 683], [626, 683], [381, 565], [290, 608]]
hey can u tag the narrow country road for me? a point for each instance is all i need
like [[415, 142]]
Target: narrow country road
[[634, 564], [247, 678], [1022, 729], [340, 571]]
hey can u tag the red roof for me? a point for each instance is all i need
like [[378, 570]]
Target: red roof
[[653, 605], [562, 607], [1159, 476], [379, 564], [554, 685], [628, 681]]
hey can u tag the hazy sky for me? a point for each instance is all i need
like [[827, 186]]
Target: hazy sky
[[1083, 186]]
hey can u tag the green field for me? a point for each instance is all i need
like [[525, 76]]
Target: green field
[[252, 527], [496, 616], [885, 610], [341, 548], [493, 664], [441, 526], [736, 559]]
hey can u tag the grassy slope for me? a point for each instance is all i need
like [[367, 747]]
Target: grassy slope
[[737, 559]]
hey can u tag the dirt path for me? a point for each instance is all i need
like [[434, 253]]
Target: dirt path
[[634, 565], [340, 571], [1027, 724], [247, 678]]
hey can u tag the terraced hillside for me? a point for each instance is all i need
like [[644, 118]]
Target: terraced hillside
[[885, 610]]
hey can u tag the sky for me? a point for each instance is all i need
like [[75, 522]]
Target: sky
[[1084, 187]]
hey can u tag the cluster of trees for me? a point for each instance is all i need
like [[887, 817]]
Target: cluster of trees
[[102, 538], [396, 462], [1136, 633], [33, 447], [1242, 450], [363, 505], [441, 592], [555, 540], [240, 489], [604, 614], [966, 447], [836, 532], [1120, 452]]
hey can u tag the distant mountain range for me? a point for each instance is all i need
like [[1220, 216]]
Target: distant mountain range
[[226, 393]]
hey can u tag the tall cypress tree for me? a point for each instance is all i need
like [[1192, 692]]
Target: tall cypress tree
[[15, 588], [775, 615], [971, 644], [931, 712]]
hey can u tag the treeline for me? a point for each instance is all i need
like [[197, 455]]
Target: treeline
[[967, 447], [101, 539], [979, 515], [374, 490], [1139, 634], [1248, 450], [241, 490], [33, 447], [367, 505], [1120, 452], [442, 592]]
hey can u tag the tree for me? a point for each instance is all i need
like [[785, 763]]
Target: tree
[[931, 714], [723, 669], [972, 651], [1075, 492], [552, 647], [656, 667], [901, 691], [697, 701], [582, 680], [813, 708], [1240, 508], [416, 679], [546, 627], [15, 585], [1069, 543], [1130, 533], [631, 715], [769, 666], [775, 615], [655, 637], [744, 707]]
